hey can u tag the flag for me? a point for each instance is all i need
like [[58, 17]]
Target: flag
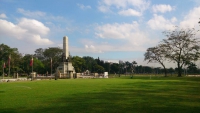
[[31, 62], [4, 65]]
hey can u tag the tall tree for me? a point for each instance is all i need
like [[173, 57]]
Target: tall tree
[[39, 53], [13, 60], [78, 63], [99, 69], [38, 66], [90, 63], [181, 47], [54, 53], [192, 68], [133, 65], [156, 54], [114, 68]]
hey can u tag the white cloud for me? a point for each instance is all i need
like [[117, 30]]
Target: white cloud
[[116, 31], [123, 6], [130, 12], [28, 30], [28, 13], [191, 19], [162, 8], [92, 48], [83, 6], [158, 22], [32, 26], [141, 4], [3, 15], [173, 19], [41, 15], [104, 9], [86, 46], [130, 37], [10, 29]]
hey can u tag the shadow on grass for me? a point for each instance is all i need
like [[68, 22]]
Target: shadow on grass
[[129, 98]]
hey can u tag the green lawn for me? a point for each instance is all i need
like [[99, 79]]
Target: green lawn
[[122, 95]]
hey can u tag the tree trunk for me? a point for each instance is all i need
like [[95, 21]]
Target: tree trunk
[[165, 72], [179, 70], [164, 69]]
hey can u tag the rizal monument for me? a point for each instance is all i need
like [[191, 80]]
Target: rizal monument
[[65, 68]]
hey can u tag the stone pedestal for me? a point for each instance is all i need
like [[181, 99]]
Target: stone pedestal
[[78, 75], [105, 74], [33, 75], [71, 75], [16, 75], [66, 70], [96, 75]]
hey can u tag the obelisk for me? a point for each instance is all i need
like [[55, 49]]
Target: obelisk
[[65, 68], [65, 47]]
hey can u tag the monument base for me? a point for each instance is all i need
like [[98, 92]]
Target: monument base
[[65, 70]]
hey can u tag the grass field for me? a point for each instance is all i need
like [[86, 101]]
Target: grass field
[[118, 95]]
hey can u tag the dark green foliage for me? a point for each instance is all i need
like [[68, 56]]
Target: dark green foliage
[[38, 66], [5, 52], [39, 53], [192, 68], [89, 63], [78, 63], [54, 53], [114, 68]]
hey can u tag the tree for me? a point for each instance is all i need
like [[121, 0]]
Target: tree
[[133, 65], [107, 66], [128, 66], [89, 63], [14, 60], [121, 66], [181, 47], [99, 68], [78, 63], [156, 54], [38, 66], [54, 53], [114, 68], [39, 53], [192, 68]]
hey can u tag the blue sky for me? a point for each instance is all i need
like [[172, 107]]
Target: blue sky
[[110, 29]]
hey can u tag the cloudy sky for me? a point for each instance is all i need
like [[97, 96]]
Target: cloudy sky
[[112, 30]]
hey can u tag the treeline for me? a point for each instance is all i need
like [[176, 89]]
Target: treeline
[[14, 62]]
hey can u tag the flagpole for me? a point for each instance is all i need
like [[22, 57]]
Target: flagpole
[[3, 69], [9, 65], [32, 64], [51, 66]]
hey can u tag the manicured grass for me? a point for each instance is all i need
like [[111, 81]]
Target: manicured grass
[[122, 95]]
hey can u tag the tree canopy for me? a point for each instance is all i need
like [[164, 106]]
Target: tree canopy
[[156, 54], [181, 47]]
